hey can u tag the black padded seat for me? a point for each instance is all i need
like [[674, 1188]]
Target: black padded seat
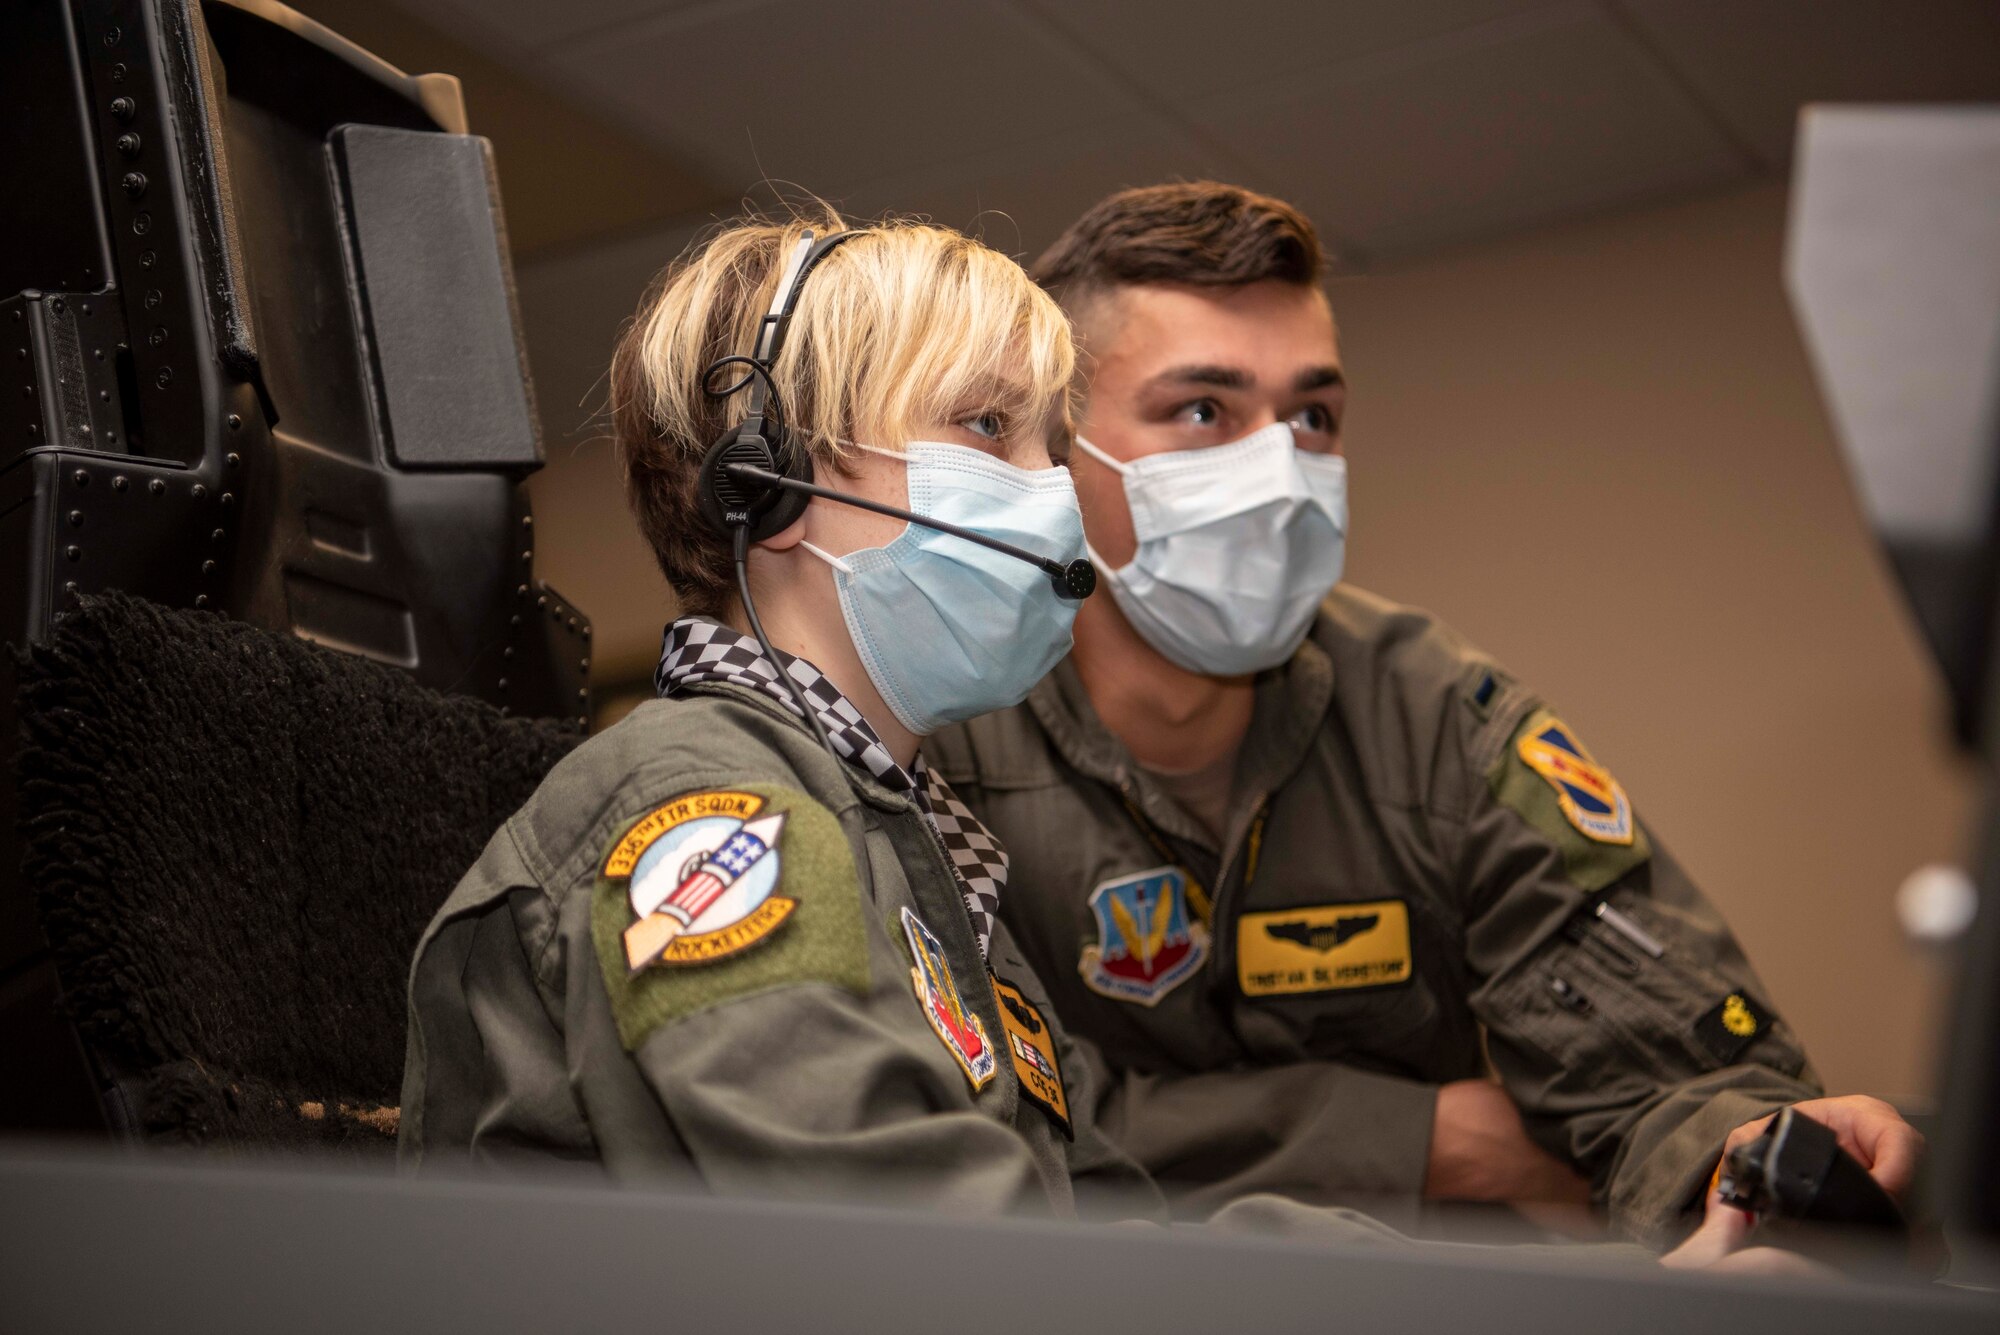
[[235, 839]]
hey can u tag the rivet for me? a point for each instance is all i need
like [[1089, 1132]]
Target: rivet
[[112, 34], [235, 424], [233, 460], [583, 665], [197, 491], [158, 336], [34, 429], [583, 720], [104, 396], [503, 683], [142, 224], [521, 592], [508, 652], [69, 587], [227, 498], [527, 521], [27, 391], [118, 73], [165, 377], [153, 297], [21, 353], [133, 184], [86, 308], [505, 711], [586, 632], [157, 487], [148, 258], [201, 600], [555, 614], [120, 482], [514, 620], [57, 305], [97, 353], [123, 108], [527, 556], [76, 519], [128, 144], [73, 552], [216, 536], [81, 478], [541, 600], [572, 623], [583, 693], [208, 567]]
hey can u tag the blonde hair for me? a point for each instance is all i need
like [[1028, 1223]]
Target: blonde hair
[[901, 328]]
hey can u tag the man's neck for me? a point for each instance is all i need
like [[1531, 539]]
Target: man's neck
[[1170, 719]]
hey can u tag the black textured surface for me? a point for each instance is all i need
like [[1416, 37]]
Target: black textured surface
[[436, 292], [235, 839]]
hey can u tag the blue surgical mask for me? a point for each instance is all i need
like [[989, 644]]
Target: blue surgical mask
[[947, 629]]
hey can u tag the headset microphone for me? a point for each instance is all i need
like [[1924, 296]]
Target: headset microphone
[[756, 480], [1074, 579]]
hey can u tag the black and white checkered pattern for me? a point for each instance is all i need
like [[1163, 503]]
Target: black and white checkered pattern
[[696, 650]]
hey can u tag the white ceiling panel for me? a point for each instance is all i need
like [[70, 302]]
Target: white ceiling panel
[[1517, 123], [1190, 48], [829, 95], [1019, 198], [1755, 63]]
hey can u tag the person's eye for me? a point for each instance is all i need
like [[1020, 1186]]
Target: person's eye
[[1202, 412], [990, 425], [1315, 417]]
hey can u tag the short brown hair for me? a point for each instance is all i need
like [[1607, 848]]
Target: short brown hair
[[898, 329], [1198, 232]]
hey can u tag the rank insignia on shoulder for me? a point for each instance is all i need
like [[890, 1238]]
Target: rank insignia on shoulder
[[1032, 1045], [1323, 948], [1148, 943], [702, 874], [937, 993], [1588, 795], [1731, 1025]]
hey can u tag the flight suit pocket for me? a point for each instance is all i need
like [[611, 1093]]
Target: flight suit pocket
[[1629, 993]]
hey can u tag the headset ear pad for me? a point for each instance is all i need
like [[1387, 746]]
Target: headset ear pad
[[772, 510]]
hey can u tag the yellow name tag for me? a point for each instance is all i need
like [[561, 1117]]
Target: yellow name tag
[[1323, 948]]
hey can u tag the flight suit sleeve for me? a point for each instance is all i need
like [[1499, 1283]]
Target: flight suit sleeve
[[1620, 1011], [797, 1063], [1314, 1131]]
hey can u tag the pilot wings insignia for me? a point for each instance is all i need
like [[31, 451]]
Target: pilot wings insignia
[[1323, 936]]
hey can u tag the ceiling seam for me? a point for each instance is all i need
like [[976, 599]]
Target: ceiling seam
[[1635, 32]]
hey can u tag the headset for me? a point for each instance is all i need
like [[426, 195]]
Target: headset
[[757, 479]]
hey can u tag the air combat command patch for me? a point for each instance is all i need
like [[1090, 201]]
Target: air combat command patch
[[937, 993], [1547, 778], [697, 902], [1147, 942]]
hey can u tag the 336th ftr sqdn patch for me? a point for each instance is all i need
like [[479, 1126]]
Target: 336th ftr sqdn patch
[[1587, 793], [701, 874], [720, 893]]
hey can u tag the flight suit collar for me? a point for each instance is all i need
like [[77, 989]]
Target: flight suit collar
[[1291, 706]]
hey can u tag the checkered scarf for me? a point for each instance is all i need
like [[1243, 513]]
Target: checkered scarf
[[697, 650]]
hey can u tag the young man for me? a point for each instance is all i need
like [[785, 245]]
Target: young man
[[1299, 860]]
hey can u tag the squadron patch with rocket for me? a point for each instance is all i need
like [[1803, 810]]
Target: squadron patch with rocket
[[698, 901]]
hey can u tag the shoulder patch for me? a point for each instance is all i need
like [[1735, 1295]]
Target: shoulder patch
[[955, 1023], [722, 892], [1547, 778]]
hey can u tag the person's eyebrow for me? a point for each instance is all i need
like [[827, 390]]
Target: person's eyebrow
[[1221, 377], [1318, 377]]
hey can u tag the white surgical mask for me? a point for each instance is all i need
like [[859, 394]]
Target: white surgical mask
[[1238, 544]]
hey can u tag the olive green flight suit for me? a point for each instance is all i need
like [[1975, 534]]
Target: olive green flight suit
[[1408, 884], [800, 1067]]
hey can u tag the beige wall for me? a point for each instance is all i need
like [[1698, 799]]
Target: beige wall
[[1599, 452]]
